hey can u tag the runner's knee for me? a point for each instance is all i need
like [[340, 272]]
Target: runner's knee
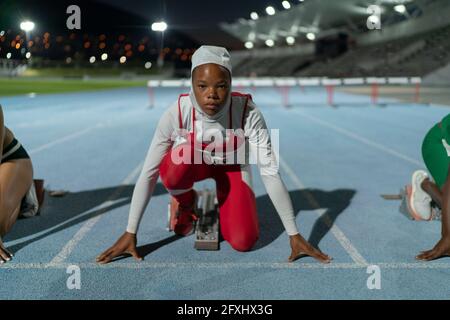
[[243, 244]]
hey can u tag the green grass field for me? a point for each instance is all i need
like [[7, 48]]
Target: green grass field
[[93, 72], [12, 87]]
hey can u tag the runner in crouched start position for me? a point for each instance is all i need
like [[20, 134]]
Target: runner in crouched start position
[[436, 155], [195, 127], [16, 182]]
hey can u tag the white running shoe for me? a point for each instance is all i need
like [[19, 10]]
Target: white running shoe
[[419, 201], [30, 203]]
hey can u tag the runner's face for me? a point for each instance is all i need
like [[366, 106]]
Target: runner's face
[[211, 86]]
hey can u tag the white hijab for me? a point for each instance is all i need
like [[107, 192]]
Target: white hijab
[[216, 55]]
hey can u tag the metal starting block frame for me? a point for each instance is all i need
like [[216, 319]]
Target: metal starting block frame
[[207, 228], [403, 208]]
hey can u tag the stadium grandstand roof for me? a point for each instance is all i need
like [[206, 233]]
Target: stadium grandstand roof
[[304, 20]]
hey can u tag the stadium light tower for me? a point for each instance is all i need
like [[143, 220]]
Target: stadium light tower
[[160, 26], [27, 26]]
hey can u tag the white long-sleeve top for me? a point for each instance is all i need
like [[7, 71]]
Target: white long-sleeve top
[[245, 115]]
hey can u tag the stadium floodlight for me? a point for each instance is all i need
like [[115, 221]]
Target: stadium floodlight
[[27, 26], [311, 36], [270, 10], [290, 40], [400, 8], [254, 16], [249, 45], [286, 5], [270, 43], [373, 20], [160, 26]]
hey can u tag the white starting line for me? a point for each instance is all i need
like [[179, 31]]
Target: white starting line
[[231, 265]]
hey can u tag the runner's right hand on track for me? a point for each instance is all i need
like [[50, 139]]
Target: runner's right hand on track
[[125, 245], [300, 247]]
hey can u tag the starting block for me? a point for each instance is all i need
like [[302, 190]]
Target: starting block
[[402, 196], [206, 228]]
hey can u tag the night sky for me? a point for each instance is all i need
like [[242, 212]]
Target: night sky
[[193, 13], [197, 19]]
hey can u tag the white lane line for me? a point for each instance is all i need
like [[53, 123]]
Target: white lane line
[[228, 265], [335, 230], [64, 139], [70, 246], [357, 137]]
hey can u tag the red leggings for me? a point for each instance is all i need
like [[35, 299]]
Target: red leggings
[[237, 203]]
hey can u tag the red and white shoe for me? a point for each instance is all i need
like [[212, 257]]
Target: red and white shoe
[[182, 219]]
